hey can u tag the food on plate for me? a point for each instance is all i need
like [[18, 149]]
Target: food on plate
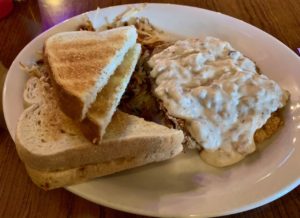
[[56, 153], [55, 147], [102, 110], [206, 88], [81, 63], [202, 94], [217, 96]]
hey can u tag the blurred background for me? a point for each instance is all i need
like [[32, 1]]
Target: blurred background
[[21, 26]]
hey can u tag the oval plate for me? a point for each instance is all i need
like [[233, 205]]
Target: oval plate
[[185, 186]]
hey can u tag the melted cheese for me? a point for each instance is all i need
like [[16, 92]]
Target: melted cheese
[[217, 91]]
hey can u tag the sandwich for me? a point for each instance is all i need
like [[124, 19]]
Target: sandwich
[[56, 153], [81, 63], [101, 111], [57, 132], [103, 62]]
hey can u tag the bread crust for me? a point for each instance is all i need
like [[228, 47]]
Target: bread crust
[[126, 135], [54, 179]]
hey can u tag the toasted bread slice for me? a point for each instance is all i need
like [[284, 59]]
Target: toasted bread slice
[[102, 110], [59, 178], [48, 140], [81, 63]]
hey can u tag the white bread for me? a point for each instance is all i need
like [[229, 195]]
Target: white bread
[[55, 179], [48, 140], [102, 110], [81, 63]]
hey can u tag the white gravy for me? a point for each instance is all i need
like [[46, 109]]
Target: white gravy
[[217, 91]]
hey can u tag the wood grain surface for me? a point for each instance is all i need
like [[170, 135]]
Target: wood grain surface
[[19, 197]]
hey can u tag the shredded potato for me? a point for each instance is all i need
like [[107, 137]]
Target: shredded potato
[[30, 70]]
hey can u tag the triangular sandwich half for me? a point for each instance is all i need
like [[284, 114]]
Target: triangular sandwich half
[[81, 63], [102, 110]]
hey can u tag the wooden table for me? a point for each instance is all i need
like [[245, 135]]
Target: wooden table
[[19, 197]]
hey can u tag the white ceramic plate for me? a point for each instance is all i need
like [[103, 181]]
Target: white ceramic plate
[[186, 186]]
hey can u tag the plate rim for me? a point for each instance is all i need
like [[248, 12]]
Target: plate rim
[[244, 208], [292, 185]]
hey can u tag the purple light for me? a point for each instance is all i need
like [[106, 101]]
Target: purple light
[[54, 12]]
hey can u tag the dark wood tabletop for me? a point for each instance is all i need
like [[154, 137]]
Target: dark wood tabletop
[[19, 197]]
